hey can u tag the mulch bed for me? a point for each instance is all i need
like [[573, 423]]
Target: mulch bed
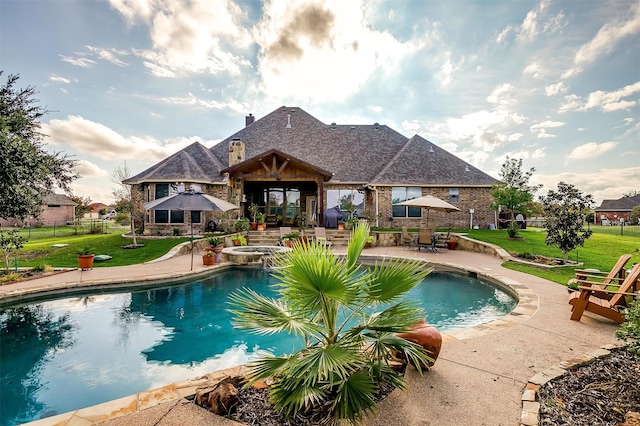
[[600, 393]]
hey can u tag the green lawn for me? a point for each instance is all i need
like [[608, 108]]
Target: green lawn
[[39, 252], [600, 251]]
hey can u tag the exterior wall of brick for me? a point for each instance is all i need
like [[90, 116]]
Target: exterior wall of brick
[[477, 199]]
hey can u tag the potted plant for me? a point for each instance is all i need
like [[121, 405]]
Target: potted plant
[[340, 225], [239, 240], [369, 241], [208, 258], [261, 218], [254, 210], [85, 258], [217, 244], [290, 238], [242, 225]]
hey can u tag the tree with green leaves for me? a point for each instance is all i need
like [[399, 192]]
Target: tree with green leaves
[[565, 213], [27, 172], [348, 316], [123, 195], [634, 217], [83, 205], [513, 193], [10, 242]]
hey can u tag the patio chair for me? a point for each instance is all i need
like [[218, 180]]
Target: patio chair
[[617, 272], [426, 240], [407, 239], [320, 235], [608, 302]]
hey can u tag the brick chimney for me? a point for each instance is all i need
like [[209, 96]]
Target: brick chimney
[[249, 119], [236, 152]]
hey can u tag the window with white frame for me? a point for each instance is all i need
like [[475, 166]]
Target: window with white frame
[[454, 195], [404, 193]]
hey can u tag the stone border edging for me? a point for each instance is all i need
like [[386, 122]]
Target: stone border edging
[[530, 415]]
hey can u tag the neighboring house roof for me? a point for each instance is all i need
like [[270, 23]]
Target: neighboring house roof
[[359, 154], [621, 204], [58, 200], [195, 163]]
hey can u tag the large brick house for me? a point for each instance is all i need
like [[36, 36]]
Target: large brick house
[[295, 167]]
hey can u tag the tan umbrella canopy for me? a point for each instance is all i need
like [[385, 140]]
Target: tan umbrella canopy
[[190, 201], [430, 202]]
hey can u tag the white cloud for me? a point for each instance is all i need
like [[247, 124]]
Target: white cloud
[[59, 79], [299, 38], [109, 55], [612, 101], [533, 70], [590, 150], [528, 30], [99, 140], [540, 129], [375, 108], [501, 38], [190, 37], [605, 101], [78, 61], [610, 35], [486, 130], [555, 89], [447, 69], [87, 169], [501, 95], [605, 183]]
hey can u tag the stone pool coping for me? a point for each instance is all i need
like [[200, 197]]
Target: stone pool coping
[[526, 307]]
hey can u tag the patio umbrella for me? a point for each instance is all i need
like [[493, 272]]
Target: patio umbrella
[[190, 201], [430, 202]]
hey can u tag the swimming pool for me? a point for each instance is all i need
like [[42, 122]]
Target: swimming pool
[[72, 352]]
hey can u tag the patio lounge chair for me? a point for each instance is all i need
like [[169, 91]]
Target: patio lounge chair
[[320, 235], [594, 275], [426, 240], [607, 303], [406, 239]]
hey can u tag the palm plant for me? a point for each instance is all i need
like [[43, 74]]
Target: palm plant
[[331, 302]]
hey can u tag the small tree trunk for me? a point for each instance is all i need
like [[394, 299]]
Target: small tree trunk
[[565, 257], [133, 229]]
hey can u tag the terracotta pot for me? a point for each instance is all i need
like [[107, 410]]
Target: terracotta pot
[[452, 244], [340, 227], [426, 336], [236, 242], [254, 225], [261, 227], [208, 260], [85, 261]]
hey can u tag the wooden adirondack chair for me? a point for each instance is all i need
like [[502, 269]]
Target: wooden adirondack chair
[[607, 302], [616, 273]]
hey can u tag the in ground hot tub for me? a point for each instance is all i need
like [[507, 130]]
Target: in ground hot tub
[[243, 255]]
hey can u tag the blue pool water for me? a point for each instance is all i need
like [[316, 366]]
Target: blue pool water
[[64, 354]]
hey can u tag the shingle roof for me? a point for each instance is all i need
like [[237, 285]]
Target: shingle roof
[[195, 163], [420, 161], [353, 153], [59, 200], [621, 204]]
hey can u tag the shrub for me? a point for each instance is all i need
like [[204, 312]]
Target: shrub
[[348, 317], [630, 329]]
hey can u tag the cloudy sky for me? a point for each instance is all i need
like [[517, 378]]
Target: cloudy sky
[[556, 83]]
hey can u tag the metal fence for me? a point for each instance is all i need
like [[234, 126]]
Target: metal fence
[[85, 227]]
